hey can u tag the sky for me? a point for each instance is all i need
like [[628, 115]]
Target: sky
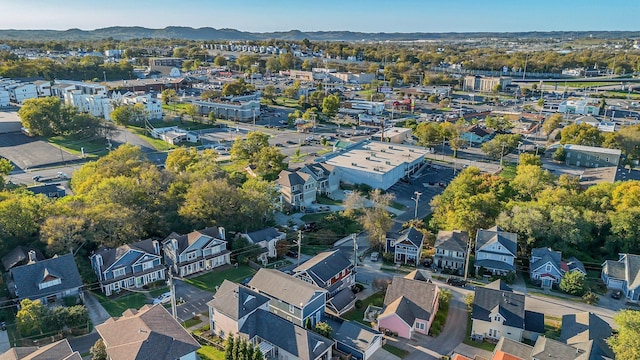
[[327, 15]]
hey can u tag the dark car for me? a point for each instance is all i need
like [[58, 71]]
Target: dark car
[[456, 282], [616, 294], [291, 142], [292, 253]]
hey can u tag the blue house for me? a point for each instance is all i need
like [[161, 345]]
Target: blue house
[[129, 266], [476, 135], [623, 275], [547, 268]]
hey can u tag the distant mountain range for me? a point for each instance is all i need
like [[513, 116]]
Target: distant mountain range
[[208, 33]]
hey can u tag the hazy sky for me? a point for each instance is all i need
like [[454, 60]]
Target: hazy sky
[[354, 15]]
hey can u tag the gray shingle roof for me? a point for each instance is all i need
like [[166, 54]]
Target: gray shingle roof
[[264, 235], [496, 234], [614, 269], [324, 266], [509, 304], [420, 275], [284, 334], [59, 350], [279, 285], [342, 300], [410, 299], [188, 239], [289, 179], [19, 255], [584, 327], [452, 240], [355, 335], [545, 255], [545, 347], [236, 301], [575, 264], [627, 268], [534, 321], [494, 264], [148, 334], [27, 277], [411, 235], [111, 255], [513, 347]]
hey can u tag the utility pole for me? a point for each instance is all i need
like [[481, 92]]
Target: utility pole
[[254, 119], [466, 263], [502, 153], [355, 250], [172, 288], [299, 245], [416, 199]]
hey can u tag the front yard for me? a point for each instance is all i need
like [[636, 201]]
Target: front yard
[[357, 314], [210, 280], [116, 305]]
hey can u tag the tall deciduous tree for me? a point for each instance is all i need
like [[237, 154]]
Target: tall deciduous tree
[[63, 234], [330, 105], [626, 343], [169, 96], [30, 318], [581, 134], [376, 219]]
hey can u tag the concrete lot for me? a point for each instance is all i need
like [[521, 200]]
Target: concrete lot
[[25, 152], [9, 121]]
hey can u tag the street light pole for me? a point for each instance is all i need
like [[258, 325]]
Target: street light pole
[[502, 153], [417, 200]]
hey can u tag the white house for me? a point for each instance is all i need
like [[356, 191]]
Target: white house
[[22, 91], [5, 99], [496, 250]]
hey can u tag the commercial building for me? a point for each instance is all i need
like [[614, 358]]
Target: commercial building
[[377, 164], [586, 106], [591, 156], [240, 108], [485, 84]]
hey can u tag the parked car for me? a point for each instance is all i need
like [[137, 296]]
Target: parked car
[[347, 192], [292, 253], [456, 282], [616, 294], [374, 256], [162, 299], [324, 208], [291, 142]]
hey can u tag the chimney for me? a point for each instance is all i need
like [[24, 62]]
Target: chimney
[[32, 256]]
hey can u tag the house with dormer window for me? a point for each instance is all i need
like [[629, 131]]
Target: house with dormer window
[[407, 247], [326, 177], [130, 266], [196, 251], [48, 280], [496, 251], [451, 250], [547, 268], [297, 189]]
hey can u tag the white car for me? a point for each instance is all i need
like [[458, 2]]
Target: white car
[[347, 192], [162, 299]]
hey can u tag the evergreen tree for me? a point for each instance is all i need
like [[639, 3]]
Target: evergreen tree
[[228, 353]]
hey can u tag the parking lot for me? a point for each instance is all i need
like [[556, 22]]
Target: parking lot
[[26, 152]]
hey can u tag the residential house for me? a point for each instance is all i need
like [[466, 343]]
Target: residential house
[[496, 251], [357, 340], [52, 191], [334, 272], [196, 251], [624, 275], [43, 88], [130, 266], [148, 333], [236, 309], [326, 177], [588, 331], [267, 239], [48, 280], [509, 349], [407, 248], [297, 189], [547, 268], [497, 311], [290, 298], [547, 348], [451, 250], [409, 307], [19, 92], [59, 350], [21, 255], [591, 156], [475, 135]]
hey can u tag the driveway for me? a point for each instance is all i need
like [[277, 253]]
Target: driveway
[[4, 341], [195, 300]]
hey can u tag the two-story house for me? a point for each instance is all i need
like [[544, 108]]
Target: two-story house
[[148, 333], [451, 250], [48, 280], [196, 251], [326, 177], [267, 239], [624, 275], [547, 268], [407, 247], [297, 189], [238, 310], [496, 251], [334, 272], [129, 266], [497, 311], [409, 307], [290, 298]]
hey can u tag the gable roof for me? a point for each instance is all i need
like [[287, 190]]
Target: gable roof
[[411, 236], [324, 266], [287, 288], [410, 299], [575, 264], [19, 254], [626, 268], [318, 171], [342, 300], [150, 333], [284, 334], [236, 301], [544, 347], [184, 241], [497, 235], [512, 347], [355, 335], [477, 130], [59, 350], [507, 303], [420, 275], [455, 240], [290, 179], [264, 235], [584, 327], [111, 255], [27, 277], [546, 255], [534, 321]]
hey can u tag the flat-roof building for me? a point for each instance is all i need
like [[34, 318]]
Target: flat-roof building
[[378, 164]]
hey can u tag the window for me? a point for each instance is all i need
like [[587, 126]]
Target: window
[[192, 255], [606, 159], [499, 247], [579, 156], [291, 308], [118, 272], [547, 268], [148, 265], [420, 326]]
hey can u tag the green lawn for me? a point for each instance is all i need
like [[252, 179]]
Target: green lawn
[[158, 144], [508, 171], [210, 353], [92, 147], [158, 291], [191, 322], [117, 305], [376, 299], [582, 84], [298, 159], [323, 151], [210, 280], [440, 319], [283, 101], [397, 205], [323, 200], [178, 107], [396, 351], [314, 217], [314, 250]]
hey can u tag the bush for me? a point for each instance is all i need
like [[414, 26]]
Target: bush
[[572, 283], [590, 298], [358, 304]]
